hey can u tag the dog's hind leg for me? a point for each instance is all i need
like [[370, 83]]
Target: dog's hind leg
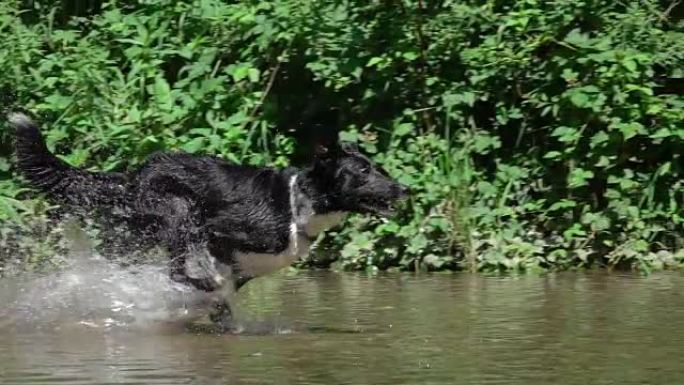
[[169, 207], [172, 220], [192, 264]]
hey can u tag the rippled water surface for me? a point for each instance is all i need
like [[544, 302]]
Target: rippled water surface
[[102, 326]]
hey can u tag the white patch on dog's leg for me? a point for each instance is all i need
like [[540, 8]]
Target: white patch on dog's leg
[[200, 264]]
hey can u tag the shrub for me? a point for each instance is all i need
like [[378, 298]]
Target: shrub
[[535, 134]]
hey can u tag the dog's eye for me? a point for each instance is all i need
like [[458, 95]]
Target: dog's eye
[[365, 169]]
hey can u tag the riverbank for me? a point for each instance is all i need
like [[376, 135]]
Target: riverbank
[[534, 135]]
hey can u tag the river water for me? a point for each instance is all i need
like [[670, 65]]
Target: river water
[[102, 325]]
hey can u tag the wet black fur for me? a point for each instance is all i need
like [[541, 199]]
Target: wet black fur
[[189, 204]]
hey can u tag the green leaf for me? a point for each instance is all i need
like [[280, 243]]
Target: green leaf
[[603, 161], [185, 52], [4, 164], [468, 98], [194, 145], [410, 56], [566, 134], [597, 221], [641, 245], [640, 88], [374, 61], [598, 139], [552, 155], [563, 204], [162, 92], [630, 64], [629, 130], [576, 38], [58, 102], [662, 133], [579, 177], [390, 227], [580, 99], [434, 261], [403, 129], [349, 136], [240, 72], [253, 74], [664, 169], [77, 157], [569, 75], [483, 143], [417, 244], [574, 231]]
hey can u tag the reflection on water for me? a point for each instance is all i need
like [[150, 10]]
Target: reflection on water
[[343, 328]]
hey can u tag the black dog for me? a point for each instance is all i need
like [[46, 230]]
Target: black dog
[[223, 224]]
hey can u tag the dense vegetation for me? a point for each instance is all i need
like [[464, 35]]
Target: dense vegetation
[[535, 134]]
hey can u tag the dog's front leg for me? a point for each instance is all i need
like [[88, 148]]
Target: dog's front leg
[[193, 264], [222, 316]]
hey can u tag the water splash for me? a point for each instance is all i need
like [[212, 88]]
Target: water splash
[[98, 293], [92, 291]]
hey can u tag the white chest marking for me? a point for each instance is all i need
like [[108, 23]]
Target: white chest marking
[[304, 224], [256, 264]]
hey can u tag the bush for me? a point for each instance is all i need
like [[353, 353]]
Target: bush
[[536, 135]]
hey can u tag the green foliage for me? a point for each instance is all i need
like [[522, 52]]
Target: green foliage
[[534, 134], [23, 222]]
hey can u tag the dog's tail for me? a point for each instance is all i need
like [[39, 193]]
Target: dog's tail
[[59, 180]]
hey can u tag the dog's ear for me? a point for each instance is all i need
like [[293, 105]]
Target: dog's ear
[[326, 150], [321, 150], [325, 143]]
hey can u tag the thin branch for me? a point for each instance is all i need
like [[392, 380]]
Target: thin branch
[[424, 66], [267, 90], [669, 9], [262, 99]]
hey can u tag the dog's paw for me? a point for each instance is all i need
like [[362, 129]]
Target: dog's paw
[[222, 317]]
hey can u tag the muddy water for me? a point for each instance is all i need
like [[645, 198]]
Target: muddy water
[[343, 328]]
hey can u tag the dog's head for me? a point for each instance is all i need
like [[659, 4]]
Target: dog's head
[[353, 183]]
